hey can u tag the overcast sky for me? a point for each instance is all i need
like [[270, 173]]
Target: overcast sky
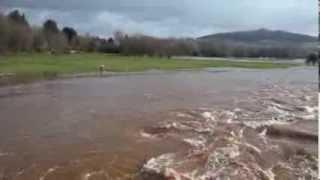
[[168, 18]]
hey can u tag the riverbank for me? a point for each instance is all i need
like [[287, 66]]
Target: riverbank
[[21, 68]]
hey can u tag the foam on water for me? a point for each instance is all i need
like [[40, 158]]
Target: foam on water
[[5, 154], [208, 116], [198, 142], [48, 172], [259, 124], [91, 174], [235, 144], [158, 164], [146, 135]]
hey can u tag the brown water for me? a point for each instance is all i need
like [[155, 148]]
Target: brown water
[[96, 128]]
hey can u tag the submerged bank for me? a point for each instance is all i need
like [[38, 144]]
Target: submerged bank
[[29, 67]]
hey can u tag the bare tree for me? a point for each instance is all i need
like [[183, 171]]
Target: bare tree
[[71, 35], [55, 39]]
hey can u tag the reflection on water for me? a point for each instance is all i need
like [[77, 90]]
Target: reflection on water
[[192, 124]]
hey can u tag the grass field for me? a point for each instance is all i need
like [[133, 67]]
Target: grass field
[[45, 65]]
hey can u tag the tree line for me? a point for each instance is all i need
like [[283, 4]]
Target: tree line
[[17, 35]]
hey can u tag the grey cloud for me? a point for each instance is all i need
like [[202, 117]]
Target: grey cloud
[[173, 17]]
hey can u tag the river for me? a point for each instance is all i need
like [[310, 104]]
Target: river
[[213, 123]]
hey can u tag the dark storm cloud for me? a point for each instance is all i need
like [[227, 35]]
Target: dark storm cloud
[[172, 17]]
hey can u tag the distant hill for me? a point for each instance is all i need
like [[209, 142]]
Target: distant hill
[[259, 36]]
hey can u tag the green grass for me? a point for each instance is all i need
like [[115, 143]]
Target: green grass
[[42, 65]]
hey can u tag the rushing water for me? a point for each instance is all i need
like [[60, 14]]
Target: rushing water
[[215, 123]]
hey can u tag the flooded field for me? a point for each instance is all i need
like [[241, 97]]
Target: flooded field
[[209, 124]]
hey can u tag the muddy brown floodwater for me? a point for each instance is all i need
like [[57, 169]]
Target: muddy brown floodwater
[[209, 124]]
